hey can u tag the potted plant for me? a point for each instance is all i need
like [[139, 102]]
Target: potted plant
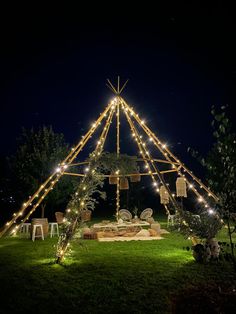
[[135, 211], [203, 227]]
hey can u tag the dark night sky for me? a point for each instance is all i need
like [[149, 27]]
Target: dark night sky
[[54, 68]]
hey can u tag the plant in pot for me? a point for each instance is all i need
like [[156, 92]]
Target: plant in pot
[[202, 229], [135, 211]]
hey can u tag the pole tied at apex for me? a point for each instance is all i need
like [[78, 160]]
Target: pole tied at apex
[[116, 90]]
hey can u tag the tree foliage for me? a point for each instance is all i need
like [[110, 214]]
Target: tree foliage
[[221, 169], [39, 151], [109, 162], [89, 191]]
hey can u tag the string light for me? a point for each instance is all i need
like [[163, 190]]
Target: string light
[[211, 211]]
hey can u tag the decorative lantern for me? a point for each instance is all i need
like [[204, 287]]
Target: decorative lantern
[[135, 177], [164, 195], [112, 179], [181, 190], [124, 184]]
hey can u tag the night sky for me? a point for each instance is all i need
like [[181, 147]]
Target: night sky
[[54, 68]]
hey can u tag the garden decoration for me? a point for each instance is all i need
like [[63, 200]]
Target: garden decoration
[[164, 195], [181, 188], [148, 144]]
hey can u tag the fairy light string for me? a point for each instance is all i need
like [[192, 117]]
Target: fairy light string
[[47, 185], [163, 149], [64, 240], [144, 152]]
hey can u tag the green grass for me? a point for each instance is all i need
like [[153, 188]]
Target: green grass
[[115, 277]]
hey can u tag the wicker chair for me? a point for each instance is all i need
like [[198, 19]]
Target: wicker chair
[[59, 217], [86, 215], [125, 214], [146, 214]]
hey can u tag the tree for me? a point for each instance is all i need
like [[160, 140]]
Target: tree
[[220, 164], [39, 151]]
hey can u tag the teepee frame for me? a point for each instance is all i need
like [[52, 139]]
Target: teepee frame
[[116, 106]]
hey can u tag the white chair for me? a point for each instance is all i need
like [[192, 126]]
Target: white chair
[[41, 235], [25, 227], [54, 230], [170, 220]]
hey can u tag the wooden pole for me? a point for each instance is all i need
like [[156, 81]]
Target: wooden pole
[[165, 151], [118, 154], [48, 185], [143, 153]]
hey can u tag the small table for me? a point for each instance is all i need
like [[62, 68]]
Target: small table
[[116, 225]]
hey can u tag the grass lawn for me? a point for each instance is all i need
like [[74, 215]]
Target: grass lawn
[[114, 277]]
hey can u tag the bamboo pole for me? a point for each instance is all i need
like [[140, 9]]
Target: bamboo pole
[[47, 191], [119, 176], [118, 154], [99, 147], [159, 145], [166, 151], [71, 156], [142, 151]]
